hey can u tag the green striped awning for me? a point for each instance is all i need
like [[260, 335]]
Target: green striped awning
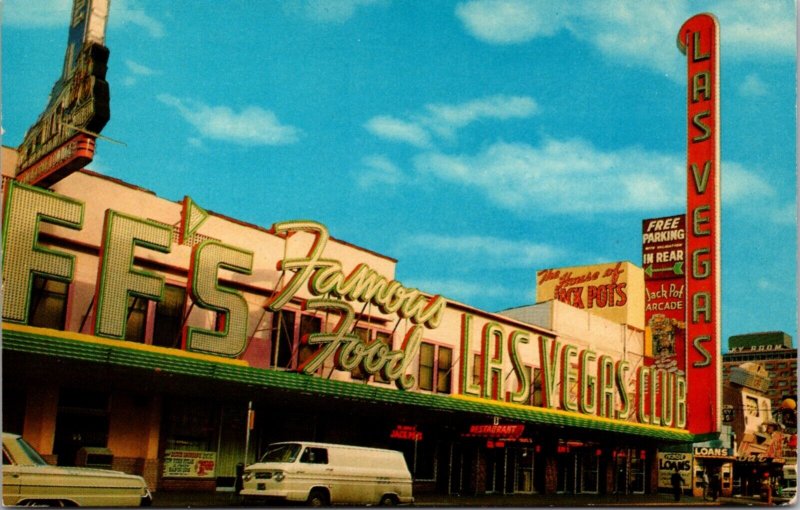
[[68, 345]]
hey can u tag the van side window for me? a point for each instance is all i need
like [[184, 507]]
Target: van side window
[[314, 456]]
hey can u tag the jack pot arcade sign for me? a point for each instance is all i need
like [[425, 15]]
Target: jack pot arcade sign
[[698, 39]]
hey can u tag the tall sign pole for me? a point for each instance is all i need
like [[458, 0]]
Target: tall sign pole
[[698, 39], [63, 138]]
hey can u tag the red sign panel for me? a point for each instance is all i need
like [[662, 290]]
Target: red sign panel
[[496, 431], [698, 39], [406, 433], [663, 256], [74, 154]]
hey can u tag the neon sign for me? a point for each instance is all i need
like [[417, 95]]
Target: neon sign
[[62, 139], [698, 39], [119, 280]]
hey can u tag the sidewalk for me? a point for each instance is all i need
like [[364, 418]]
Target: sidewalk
[[229, 499]]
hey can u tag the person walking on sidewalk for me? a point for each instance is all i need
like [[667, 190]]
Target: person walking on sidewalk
[[705, 485], [716, 485], [677, 484]]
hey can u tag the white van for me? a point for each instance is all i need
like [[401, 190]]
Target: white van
[[322, 474]]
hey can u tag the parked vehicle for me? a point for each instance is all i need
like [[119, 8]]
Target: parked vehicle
[[28, 480], [322, 474]]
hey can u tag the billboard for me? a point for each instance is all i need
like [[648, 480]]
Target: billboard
[[612, 290], [663, 256], [698, 39]]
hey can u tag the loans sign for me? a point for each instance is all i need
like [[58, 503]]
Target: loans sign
[[698, 39]]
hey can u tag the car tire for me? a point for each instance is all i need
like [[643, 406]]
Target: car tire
[[388, 500], [317, 497]]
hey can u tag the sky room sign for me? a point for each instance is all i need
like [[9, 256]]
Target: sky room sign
[[573, 379]]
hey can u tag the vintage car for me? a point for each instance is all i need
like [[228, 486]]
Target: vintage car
[[30, 481]]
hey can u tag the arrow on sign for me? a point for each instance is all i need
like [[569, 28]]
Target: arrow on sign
[[677, 268]]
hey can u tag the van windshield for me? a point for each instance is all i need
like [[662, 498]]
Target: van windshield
[[286, 452]]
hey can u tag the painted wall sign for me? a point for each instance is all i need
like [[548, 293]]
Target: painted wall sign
[[62, 139], [602, 289], [189, 464], [668, 462], [663, 255], [698, 39]]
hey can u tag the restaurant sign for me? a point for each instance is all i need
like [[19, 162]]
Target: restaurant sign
[[334, 291]]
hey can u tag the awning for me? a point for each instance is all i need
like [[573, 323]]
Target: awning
[[68, 345]]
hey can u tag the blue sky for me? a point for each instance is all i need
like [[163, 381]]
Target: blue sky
[[475, 141]]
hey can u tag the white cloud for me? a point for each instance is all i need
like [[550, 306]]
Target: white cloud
[[56, 14], [139, 69], [445, 119], [740, 185], [492, 251], [328, 11], [785, 215], [636, 32], [37, 13], [753, 86], [128, 12], [390, 128], [252, 126], [511, 21], [573, 177], [378, 170]]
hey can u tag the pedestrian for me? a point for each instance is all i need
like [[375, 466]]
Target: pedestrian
[[677, 484], [716, 485], [704, 483]]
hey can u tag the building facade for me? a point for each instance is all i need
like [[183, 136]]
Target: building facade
[[773, 350], [183, 342]]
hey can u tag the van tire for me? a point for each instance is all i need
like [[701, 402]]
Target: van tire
[[318, 497], [388, 500]]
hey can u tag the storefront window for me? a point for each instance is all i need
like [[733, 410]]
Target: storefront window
[[637, 474], [445, 365], [48, 306], [359, 372], [308, 325], [386, 338], [282, 336], [81, 420], [169, 317], [190, 425], [589, 467], [137, 319], [524, 470], [476, 369], [426, 355]]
